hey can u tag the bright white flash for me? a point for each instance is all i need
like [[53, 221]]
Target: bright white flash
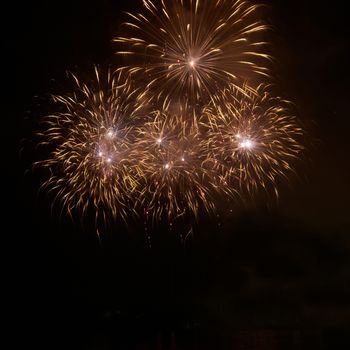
[[167, 166], [248, 144]]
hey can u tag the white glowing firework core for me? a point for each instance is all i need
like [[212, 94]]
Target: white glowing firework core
[[247, 144], [192, 62], [110, 133], [167, 166], [159, 141]]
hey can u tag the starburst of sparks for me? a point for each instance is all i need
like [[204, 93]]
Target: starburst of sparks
[[171, 160], [193, 48], [185, 124], [253, 139], [90, 161]]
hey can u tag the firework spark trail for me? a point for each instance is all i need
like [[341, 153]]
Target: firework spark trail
[[91, 158], [193, 48], [171, 160], [252, 139]]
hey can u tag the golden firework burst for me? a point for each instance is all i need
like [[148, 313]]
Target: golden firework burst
[[193, 48], [90, 141], [252, 138], [171, 158]]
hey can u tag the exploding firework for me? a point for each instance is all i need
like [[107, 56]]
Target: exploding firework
[[252, 139], [179, 126], [175, 180], [193, 48], [90, 159]]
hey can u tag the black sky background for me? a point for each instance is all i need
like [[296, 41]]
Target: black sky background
[[275, 266]]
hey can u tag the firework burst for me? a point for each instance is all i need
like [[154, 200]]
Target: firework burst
[[175, 180], [193, 48], [90, 160], [252, 139], [178, 127]]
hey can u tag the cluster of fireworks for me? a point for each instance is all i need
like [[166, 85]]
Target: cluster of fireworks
[[186, 122]]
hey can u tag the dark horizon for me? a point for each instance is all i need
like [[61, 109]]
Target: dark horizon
[[281, 266]]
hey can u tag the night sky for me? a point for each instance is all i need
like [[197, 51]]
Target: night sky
[[274, 266]]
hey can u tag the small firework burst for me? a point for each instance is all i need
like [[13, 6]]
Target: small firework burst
[[252, 138], [171, 158], [193, 48], [90, 160]]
